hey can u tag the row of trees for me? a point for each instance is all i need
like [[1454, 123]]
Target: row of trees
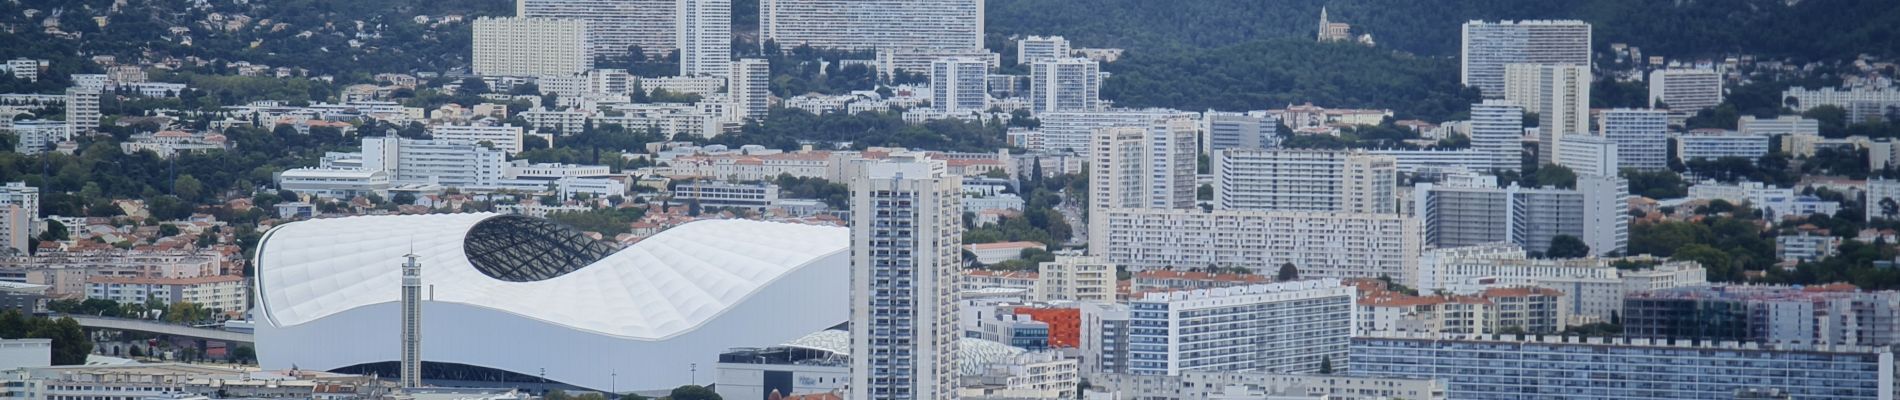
[[70, 343]]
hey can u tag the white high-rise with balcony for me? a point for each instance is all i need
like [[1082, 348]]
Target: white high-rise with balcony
[[705, 37], [1488, 47], [872, 24], [1497, 131], [1294, 326], [1563, 105], [1304, 180], [615, 26], [1641, 136], [906, 250], [1685, 91], [82, 110], [531, 47], [750, 86], [1065, 84], [957, 85]]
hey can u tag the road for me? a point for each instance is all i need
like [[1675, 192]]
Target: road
[[139, 325]]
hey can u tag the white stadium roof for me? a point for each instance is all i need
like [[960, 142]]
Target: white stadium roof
[[511, 282]]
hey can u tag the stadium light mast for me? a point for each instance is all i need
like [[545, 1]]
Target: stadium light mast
[[411, 322]]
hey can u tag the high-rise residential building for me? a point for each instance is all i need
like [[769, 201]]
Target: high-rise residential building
[[1201, 385], [1065, 84], [1143, 166], [1076, 278], [1231, 130], [1821, 315], [1471, 212], [443, 162], [1488, 47], [1522, 88], [872, 24], [1327, 245], [705, 37], [1075, 131], [1277, 327], [905, 254], [1780, 125], [1685, 91], [958, 86], [891, 62], [82, 110], [1104, 338], [1710, 145], [615, 26], [1497, 131], [1038, 48], [1595, 285], [16, 229], [23, 196], [1641, 136], [1576, 368], [750, 86], [1587, 154], [1563, 106], [531, 47], [1862, 103], [1304, 180]]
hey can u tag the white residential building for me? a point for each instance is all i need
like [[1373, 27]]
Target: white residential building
[[1488, 47], [614, 26], [1076, 278], [1037, 48], [1075, 131], [503, 137], [1588, 155], [957, 85], [1226, 385], [705, 37], [82, 110], [1278, 327], [19, 194], [229, 293], [1142, 167], [750, 85], [905, 254], [1330, 245], [1065, 84], [1497, 132], [1806, 247], [1230, 130], [1595, 286], [704, 86], [1304, 180], [531, 47], [1706, 145], [16, 228], [1781, 125], [1641, 136], [902, 60], [1685, 91], [1477, 211], [36, 136], [1883, 199], [1564, 107], [1773, 202], [872, 24]]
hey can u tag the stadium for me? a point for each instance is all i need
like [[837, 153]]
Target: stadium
[[512, 299]]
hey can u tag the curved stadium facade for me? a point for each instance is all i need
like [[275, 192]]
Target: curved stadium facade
[[511, 296]]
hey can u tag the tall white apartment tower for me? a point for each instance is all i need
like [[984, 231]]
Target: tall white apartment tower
[[750, 85], [958, 86], [531, 47], [1488, 47], [1564, 102], [1497, 130], [1038, 48], [614, 26], [1065, 84], [82, 110], [906, 232], [705, 37], [1304, 180], [1641, 136], [411, 322], [1142, 166], [872, 24], [1685, 91]]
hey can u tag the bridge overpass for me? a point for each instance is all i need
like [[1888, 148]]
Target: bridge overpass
[[161, 328]]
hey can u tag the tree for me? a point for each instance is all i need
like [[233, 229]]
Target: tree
[[243, 354], [1287, 273], [54, 232], [70, 343], [1556, 175], [693, 392], [1889, 208], [1566, 246], [1326, 365]]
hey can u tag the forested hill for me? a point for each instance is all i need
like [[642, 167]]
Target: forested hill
[[1680, 28]]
